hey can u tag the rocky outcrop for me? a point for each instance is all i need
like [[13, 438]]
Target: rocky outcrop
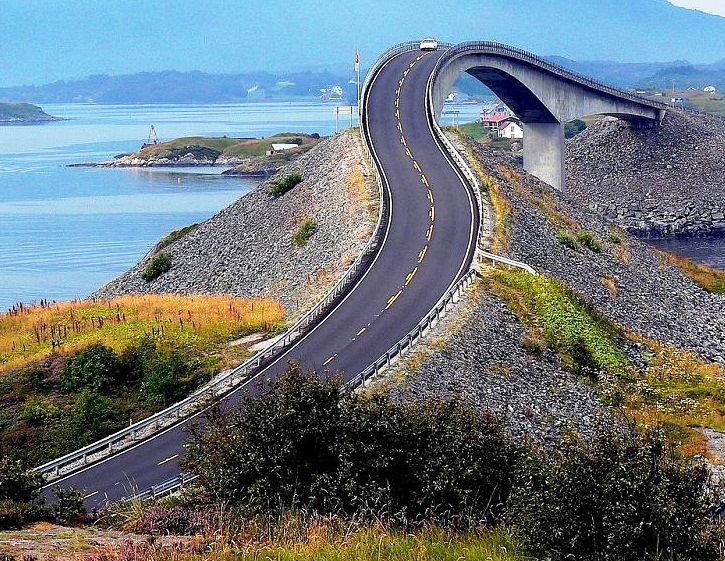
[[652, 181], [24, 114], [248, 249]]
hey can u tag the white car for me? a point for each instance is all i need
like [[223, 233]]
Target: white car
[[429, 44]]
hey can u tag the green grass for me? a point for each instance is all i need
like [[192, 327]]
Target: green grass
[[305, 231], [563, 321], [233, 147]]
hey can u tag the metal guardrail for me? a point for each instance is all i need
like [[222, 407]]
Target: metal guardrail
[[221, 386], [415, 334], [171, 485]]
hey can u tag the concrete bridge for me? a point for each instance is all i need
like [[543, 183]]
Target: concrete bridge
[[543, 95]]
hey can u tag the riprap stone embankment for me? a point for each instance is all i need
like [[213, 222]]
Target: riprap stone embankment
[[652, 181], [484, 361], [248, 249]]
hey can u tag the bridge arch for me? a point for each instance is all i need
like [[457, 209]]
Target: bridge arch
[[543, 95]]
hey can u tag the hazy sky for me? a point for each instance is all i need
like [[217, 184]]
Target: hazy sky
[[42, 41], [710, 6]]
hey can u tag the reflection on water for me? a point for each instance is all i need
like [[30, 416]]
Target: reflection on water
[[709, 250]]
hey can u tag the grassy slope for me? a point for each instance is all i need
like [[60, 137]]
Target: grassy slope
[[38, 414], [238, 147]]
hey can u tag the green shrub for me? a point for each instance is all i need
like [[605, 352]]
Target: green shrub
[[621, 496], [89, 417], [38, 410], [16, 514], [589, 240], [285, 184], [95, 368], [309, 443], [567, 239], [157, 266], [18, 483], [163, 373], [305, 231], [569, 326], [68, 507]]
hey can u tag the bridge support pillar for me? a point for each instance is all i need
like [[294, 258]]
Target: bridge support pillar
[[544, 152]]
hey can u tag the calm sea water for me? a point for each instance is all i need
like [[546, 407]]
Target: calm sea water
[[66, 231]]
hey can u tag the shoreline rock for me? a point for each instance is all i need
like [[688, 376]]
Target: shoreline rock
[[655, 182]]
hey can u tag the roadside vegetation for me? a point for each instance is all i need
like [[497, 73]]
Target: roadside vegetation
[[309, 470], [707, 278], [285, 184], [73, 372]]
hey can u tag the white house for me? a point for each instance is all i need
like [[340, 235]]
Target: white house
[[510, 129], [709, 89]]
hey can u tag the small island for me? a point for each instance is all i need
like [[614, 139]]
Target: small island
[[249, 157], [24, 114]]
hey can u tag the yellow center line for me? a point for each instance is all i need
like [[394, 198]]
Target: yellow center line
[[422, 253], [400, 83], [397, 92], [397, 113], [429, 233], [407, 151], [424, 179], [410, 276], [432, 213], [402, 141], [430, 196], [397, 101], [416, 166], [405, 73], [393, 298], [329, 360], [400, 127], [361, 332]]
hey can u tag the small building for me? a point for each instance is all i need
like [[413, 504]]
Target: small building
[[710, 89], [493, 122], [280, 147], [510, 129]]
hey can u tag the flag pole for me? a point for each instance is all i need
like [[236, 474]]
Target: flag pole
[[357, 69]]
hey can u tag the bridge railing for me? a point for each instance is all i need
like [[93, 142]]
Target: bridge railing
[[225, 383], [496, 48]]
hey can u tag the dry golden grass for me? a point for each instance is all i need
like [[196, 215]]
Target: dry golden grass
[[707, 278], [29, 334], [679, 390], [611, 284]]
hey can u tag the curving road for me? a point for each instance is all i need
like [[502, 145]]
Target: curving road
[[429, 244]]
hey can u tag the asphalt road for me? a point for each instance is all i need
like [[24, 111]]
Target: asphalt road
[[429, 245]]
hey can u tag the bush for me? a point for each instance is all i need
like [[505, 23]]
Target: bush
[[16, 514], [17, 483], [621, 496], [163, 374], [157, 266], [589, 240], [89, 418], [305, 231], [567, 239], [69, 507], [285, 184], [308, 443], [95, 368]]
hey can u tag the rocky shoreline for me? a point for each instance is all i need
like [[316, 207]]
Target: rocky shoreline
[[655, 182]]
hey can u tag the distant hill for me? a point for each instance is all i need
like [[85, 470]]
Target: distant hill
[[23, 113], [187, 87]]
